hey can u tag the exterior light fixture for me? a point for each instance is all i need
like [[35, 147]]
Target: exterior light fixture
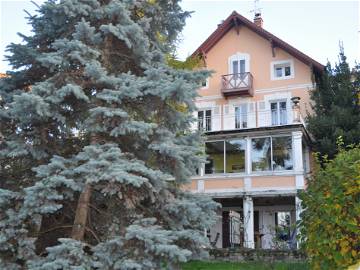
[[295, 100]]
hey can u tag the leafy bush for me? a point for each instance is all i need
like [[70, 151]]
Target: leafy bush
[[331, 217]]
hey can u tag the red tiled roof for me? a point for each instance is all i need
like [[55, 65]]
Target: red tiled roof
[[235, 19]]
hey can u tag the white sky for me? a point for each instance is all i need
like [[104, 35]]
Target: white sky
[[314, 27]]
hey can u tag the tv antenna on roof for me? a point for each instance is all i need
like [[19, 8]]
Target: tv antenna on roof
[[257, 9]]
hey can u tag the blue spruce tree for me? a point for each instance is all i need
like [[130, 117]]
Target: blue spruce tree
[[95, 142]]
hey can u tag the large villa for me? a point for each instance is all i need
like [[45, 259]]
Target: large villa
[[251, 111]]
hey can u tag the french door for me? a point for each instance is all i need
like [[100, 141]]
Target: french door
[[278, 113], [241, 116], [238, 67], [204, 120]]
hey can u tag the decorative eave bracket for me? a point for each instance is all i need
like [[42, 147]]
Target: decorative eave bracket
[[203, 56], [237, 25], [272, 45]]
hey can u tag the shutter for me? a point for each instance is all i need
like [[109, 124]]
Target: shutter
[[229, 117], [263, 114], [216, 118], [251, 116]]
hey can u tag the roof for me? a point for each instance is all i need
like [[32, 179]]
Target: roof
[[236, 20]]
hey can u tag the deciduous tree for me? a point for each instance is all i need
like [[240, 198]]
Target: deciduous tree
[[331, 220]]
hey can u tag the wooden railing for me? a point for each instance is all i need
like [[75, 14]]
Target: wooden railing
[[238, 84]]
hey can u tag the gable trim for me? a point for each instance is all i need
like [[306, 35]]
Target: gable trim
[[236, 20]]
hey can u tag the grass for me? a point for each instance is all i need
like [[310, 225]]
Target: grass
[[200, 265]]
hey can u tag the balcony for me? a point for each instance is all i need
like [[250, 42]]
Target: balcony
[[238, 84], [237, 120]]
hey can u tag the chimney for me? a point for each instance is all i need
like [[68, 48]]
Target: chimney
[[258, 20]]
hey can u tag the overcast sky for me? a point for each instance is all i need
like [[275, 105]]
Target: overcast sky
[[314, 27]]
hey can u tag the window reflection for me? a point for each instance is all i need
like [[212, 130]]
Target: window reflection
[[282, 223], [261, 154], [282, 153], [235, 156], [267, 153], [215, 160]]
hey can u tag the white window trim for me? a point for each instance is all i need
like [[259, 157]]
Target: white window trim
[[247, 112], [272, 69], [204, 105], [239, 56], [206, 85], [204, 109]]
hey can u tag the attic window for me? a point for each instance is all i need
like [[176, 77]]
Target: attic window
[[282, 70], [205, 84]]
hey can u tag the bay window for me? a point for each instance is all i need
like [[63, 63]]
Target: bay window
[[267, 154]]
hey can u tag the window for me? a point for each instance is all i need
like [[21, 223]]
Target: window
[[215, 160], [204, 120], [272, 153], [282, 70], [278, 113], [205, 84], [235, 155], [282, 224], [261, 154], [267, 154], [282, 153], [241, 116], [238, 66], [239, 63]]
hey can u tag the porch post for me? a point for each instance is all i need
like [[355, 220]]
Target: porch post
[[298, 159], [248, 156], [297, 150], [298, 210], [248, 208]]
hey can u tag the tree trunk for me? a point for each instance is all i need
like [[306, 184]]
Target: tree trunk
[[81, 214]]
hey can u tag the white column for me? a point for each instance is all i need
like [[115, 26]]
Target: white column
[[248, 156], [248, 208], [297, 150], [247, 183], [200, 186], [202, 169], [298, 159], [298, 210]]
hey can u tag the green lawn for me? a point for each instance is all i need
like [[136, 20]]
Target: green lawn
[[198, 265]]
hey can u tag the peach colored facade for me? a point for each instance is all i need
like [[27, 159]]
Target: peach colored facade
[[252, 112]]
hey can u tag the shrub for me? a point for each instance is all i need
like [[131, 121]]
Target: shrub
[[331, 216]]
